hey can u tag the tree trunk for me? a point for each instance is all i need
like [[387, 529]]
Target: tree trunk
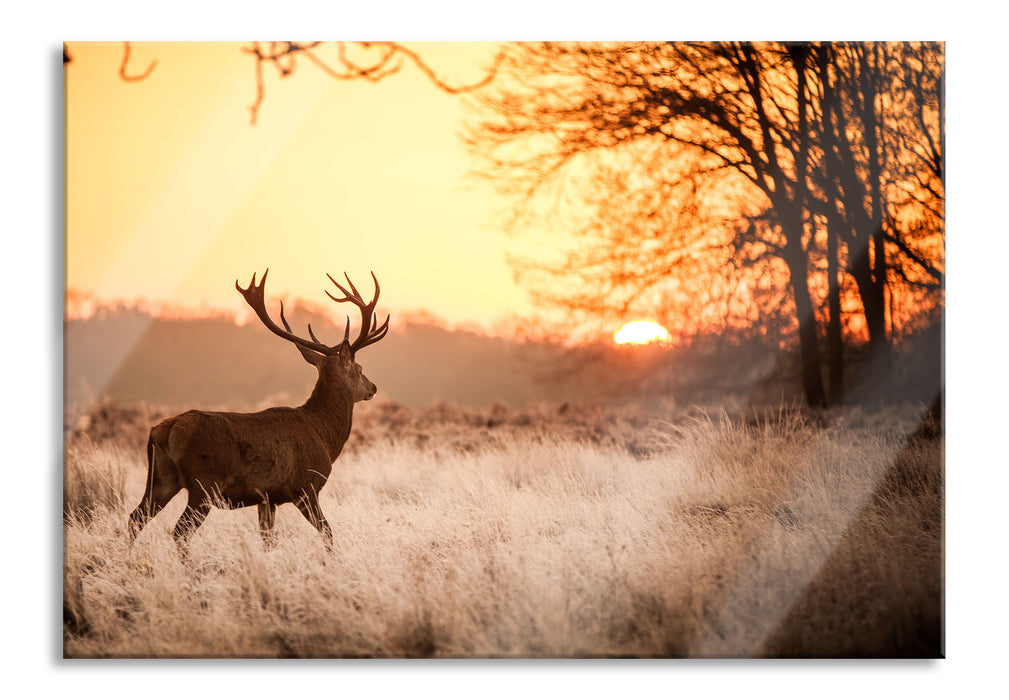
[[809, 346], [835, 342], [873, 297], [872, 288], [835, 224]]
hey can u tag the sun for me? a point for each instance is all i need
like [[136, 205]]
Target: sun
[[640, 332]]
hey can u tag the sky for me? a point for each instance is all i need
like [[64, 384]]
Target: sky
[[172, 194]]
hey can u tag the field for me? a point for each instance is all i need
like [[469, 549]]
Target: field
[[559, 531]]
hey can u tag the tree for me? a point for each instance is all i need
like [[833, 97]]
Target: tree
[[883, 168], [730, 163]]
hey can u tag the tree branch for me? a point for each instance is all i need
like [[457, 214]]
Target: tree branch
[[347, 68], [925, 265], [122, 66]]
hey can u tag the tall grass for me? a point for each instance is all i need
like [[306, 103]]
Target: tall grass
[[703, 537], [95, 480]]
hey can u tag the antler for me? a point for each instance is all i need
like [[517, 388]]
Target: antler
[[255, 296], [369, 333]]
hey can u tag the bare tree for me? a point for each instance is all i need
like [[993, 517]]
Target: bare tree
[[882, 181], [719, 114], [663, 154]]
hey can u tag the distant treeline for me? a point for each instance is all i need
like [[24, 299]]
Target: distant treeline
[[126, 354]]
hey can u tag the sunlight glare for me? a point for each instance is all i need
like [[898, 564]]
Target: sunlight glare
[[641, 332]]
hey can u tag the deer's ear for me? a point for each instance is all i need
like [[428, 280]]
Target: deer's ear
[[346, 353], [311, 357]]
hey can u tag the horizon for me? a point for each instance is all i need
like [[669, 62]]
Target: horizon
[[83, 306]]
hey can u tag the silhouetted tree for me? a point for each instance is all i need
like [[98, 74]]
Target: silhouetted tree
[[724, 162], [882, 180]]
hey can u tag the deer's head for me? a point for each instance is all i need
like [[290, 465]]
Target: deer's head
[[335, 363], [342, 369]]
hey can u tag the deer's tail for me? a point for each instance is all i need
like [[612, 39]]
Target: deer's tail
[[161, 485], [150, 461]]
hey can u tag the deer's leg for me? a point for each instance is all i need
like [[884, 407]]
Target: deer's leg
[[142, 514], [308, 504], [192, 517], [267, 511]]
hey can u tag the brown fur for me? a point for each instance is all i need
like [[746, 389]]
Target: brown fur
[[231, 460]]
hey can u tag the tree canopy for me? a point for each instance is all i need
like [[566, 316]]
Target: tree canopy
[[781, 189]]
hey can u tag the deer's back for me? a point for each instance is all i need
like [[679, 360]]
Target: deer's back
[[244, 457]]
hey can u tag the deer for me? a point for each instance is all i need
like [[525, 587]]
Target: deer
[[272, 457]]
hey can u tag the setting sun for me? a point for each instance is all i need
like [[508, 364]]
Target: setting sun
[[641, 332]]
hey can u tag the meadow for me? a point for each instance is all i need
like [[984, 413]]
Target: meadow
[[555, 531]]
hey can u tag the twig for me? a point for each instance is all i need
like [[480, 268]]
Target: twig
[[126, 60]]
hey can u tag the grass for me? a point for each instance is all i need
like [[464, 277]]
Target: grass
[[549, 533]]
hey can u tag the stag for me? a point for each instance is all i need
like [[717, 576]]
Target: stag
[[280, 455]]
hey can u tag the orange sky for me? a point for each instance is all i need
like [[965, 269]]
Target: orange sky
[[171, 193]]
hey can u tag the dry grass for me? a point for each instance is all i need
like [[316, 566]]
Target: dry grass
[[557, 533]]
